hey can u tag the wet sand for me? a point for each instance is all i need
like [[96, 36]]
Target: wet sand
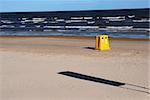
[[29, 69]]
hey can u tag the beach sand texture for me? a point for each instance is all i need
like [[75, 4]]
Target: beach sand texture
[[29, 69]]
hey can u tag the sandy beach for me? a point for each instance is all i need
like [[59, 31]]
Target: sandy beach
[[29, 69]]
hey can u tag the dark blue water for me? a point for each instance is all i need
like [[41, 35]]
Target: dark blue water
[[144, 35]]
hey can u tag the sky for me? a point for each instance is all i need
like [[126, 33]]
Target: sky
[[65, 5]]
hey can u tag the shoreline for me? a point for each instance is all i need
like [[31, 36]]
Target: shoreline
[[76, 37]]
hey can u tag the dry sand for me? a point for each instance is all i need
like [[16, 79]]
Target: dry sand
[[29, 69]]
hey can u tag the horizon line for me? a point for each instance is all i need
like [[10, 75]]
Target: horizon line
[[76, 10]]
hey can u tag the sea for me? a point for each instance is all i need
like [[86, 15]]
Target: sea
[[136, 35]]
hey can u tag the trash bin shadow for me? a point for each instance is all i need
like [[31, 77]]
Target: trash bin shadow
[[91, 48]]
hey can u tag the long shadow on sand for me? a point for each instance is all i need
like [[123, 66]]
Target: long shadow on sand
[[105, 81], [90, 78]]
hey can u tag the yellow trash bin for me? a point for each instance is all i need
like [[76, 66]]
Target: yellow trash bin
[[102, 42], [97, 42]]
